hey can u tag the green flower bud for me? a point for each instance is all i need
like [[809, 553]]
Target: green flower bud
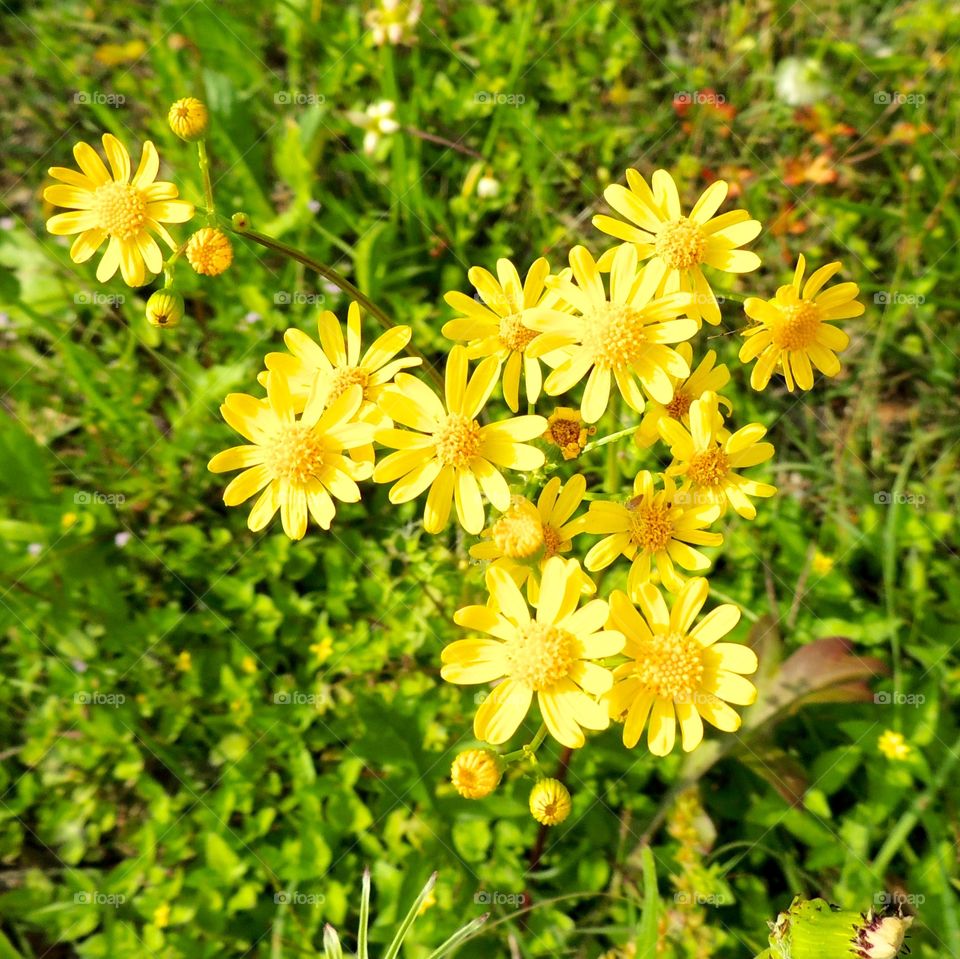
[[814, 929]]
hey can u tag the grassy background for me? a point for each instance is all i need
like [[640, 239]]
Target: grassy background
[[232, 726]]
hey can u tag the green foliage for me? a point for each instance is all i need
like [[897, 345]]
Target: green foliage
[[207, 734]]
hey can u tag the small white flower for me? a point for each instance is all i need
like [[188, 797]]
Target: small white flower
[[488, 187]]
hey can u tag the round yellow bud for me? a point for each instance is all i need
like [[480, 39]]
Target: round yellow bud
[[550, 802], [475, 773], [209, 251], [165, 308], [188, 118]]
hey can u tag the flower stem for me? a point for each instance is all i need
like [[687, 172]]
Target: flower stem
[[609, 438], [529, 751], [205, 173], [239, 226]]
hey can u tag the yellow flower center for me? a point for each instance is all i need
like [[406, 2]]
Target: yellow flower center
[[798, 327], [295, 454], [345, 377], [709, 469], [552, 541], [457, 440], [120, 210], [679, 406], [519, 533], [671, 665], [566, 434], [651, 527], [680, 244], [513, 334], [614, 335], [540, 656]]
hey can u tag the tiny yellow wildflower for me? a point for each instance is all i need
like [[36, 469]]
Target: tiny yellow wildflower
[[496, 327], [184, 661], [677, 672], [552, 655], [679, 246], [525, 537], [654, 529], [621, 338], [707, 461], [117, 206], [707, 377], [894, 745], [793, 329], [300, 461], [161, 915], [550, 802], [447, 450], [209, 251]]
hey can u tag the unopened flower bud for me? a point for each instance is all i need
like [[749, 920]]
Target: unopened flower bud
[[165, 308], [550, 802], [475, 773], [188, 118]]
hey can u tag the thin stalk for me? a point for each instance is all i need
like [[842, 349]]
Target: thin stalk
[[329, 273], [205, 173], [609, 438], [528, 750]]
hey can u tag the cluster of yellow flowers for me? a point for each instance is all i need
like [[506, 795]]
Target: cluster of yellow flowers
[[620, 326]]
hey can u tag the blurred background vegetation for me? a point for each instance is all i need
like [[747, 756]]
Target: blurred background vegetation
[[206, 734]]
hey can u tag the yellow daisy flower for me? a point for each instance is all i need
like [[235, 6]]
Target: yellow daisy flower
[[498, 328], [337, 362], [551, 654], [113, 205], [677, 672], [706, 460], [679, 246], [652, 530], [793, 329], [707, 377], [450, 452], [525, 537], [565, 429], [300, 461], [623, 337]]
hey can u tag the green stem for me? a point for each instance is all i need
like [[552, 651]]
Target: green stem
[[205, 173], [530, 750], [609, 438], [239, 226]]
